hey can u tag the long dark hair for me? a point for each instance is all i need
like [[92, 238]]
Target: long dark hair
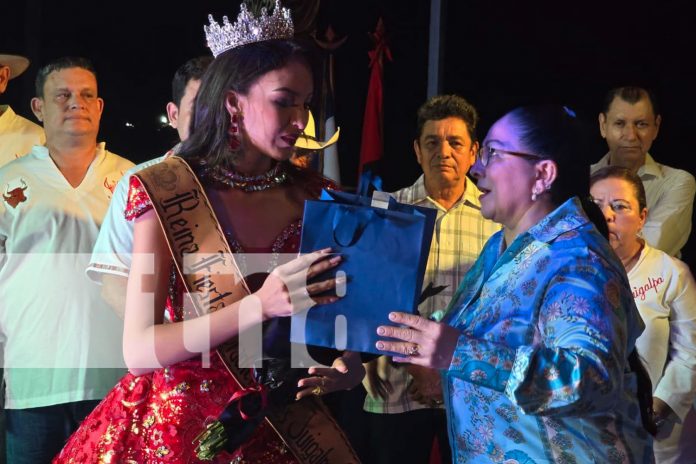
[[234, 70], [554, 132]]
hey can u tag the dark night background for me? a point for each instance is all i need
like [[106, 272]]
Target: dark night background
[[497, 54]]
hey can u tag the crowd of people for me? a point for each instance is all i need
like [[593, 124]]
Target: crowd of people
[[556, 322]]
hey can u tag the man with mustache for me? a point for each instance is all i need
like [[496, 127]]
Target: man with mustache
[[630, 122], [404, 403], [62, 342]]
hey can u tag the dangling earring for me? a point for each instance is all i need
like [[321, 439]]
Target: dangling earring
[[534, 194], [233, 137]]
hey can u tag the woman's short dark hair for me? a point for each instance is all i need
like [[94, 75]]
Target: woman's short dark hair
[[619, 172], [555, 133], [234, 70]]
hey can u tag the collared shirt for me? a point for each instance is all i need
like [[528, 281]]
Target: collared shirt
[[670, 199], [458, 238], [17, 135], [53, 322], [540, 370]]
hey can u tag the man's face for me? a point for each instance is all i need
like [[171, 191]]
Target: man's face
[[629, 129], [180, 116], [69, 105], [445, 150]]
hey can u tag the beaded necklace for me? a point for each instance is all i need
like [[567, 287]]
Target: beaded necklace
[[271, 178]]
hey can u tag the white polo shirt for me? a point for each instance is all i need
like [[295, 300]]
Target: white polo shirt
[[53, 322]]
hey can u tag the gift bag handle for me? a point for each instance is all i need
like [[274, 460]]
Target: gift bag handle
[[349, 224]]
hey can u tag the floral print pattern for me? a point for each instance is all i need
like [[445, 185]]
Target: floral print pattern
[[539, 373]]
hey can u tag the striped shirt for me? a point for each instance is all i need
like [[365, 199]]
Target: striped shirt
[[458, 238]]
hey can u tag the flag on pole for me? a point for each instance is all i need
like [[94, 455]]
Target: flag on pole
[[372, 144]]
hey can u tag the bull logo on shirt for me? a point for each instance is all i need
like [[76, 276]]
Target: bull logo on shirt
[[110, 185], [16, 195], [110, 182]]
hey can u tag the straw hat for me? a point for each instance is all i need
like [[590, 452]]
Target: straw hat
[[17, 64]]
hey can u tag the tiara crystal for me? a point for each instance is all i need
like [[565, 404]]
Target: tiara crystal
[[248, 29]]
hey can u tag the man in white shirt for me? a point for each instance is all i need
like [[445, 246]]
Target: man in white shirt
[[630, 122], [62, 342], [17, 134], [111, 258]]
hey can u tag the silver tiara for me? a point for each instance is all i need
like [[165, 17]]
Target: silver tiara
[[248, 29]]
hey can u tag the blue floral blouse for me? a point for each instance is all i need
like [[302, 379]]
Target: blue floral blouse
[[540, 372]]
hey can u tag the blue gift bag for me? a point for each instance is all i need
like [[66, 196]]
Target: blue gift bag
[[385, 251]]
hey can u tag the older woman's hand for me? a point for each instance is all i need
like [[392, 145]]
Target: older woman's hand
[[345, 373], [423, 342]]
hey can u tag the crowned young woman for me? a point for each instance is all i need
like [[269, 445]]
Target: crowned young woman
[[228, 205]]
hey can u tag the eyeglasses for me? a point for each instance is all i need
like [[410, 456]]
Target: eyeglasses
[[617, 206], [486, 153]]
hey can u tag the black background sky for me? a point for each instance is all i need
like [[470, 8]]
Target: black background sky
[[497, 54]]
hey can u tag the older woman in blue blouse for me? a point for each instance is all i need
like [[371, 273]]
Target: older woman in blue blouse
[[534, 348]]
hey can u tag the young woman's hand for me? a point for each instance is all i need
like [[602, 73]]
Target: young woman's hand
[[286, 291], [345, 373]]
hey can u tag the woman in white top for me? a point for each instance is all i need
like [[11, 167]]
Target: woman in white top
[[665, 294]]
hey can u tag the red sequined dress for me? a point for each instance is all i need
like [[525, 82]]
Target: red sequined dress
[[155, 417]]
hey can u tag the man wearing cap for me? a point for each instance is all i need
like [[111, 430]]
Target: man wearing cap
[[17, 134]]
